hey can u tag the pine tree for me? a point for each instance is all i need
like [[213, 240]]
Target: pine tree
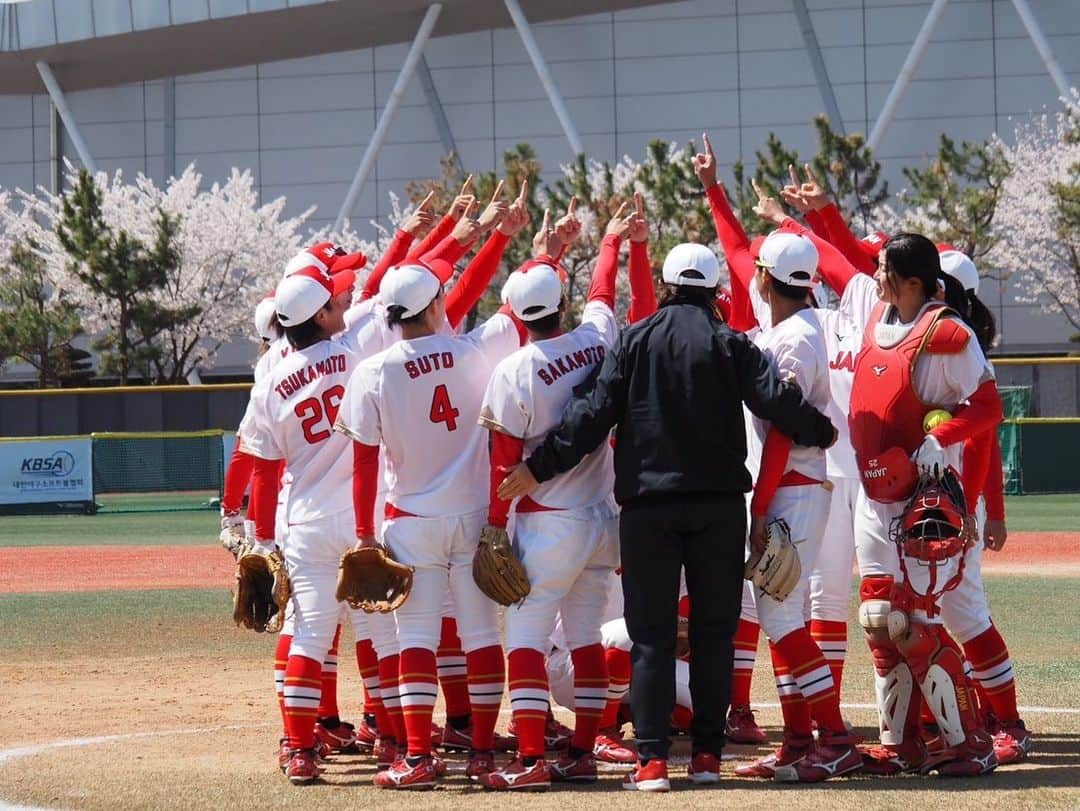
[[118, 268], [958, 193], [37, 322]]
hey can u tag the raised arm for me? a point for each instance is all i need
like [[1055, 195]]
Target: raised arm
[[642, 287], [441, 231], [418, 223]]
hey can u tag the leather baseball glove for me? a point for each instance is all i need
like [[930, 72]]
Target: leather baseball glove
[[262, 589], [370, 579], [232, 532], [777, 570], [496, 569]]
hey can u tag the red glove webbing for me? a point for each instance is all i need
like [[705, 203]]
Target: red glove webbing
[[394, 254], [835, 269], [642, 288], [982, 413], [237, 476], [839, 234], [736, 246], [365, 487], [994, 490], [774, 456], [602, 286], [506, 452], [264, 492], [436, 235], [475, 279]]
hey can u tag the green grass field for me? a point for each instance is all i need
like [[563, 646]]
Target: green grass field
[[188, 526]]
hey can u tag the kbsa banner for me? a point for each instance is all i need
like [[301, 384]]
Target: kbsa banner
[[41, 471]]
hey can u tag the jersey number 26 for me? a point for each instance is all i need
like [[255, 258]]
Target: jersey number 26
[[312, 411]]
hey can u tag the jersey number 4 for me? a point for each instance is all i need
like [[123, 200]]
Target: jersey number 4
[[442, 410], [313, 410]]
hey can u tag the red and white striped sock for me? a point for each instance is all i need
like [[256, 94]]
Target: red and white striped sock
[[618, 666], [529, 699], [391, 700], [328, 707], [303, 684], [793, 706], [590, 694], [992, 672], [746, 640], [487, 672], [813, 679], [831, 638], [450, 660], [281, 661], [367, 662], [418, 687]]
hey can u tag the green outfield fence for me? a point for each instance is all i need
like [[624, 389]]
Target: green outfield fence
[[114, 472]]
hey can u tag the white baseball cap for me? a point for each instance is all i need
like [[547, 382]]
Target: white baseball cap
[[304, 293], [534, 292], [960, 267], [412, 287], [264, 315], [320, 255], [789, 258], [691, 265]]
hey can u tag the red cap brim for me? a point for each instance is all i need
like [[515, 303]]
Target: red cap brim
[[442, 269], [872, 244], [350, 261], [343, 280]]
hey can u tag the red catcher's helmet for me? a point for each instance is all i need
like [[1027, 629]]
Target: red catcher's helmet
[[890, 476], [931, 528]]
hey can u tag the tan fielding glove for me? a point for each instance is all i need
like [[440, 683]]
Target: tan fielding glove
[[262, 589], [496, 569], [371, 580], [777, 570]]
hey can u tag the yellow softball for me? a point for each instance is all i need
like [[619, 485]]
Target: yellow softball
[[933, 419]]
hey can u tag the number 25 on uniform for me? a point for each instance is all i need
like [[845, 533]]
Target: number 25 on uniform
[[442, 410]]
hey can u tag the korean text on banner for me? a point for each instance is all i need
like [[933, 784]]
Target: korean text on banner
[[43, 471]]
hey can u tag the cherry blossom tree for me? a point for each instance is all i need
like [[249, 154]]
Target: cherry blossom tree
[[1039, 213]]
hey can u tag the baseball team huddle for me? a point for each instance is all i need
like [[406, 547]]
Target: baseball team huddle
[[451, 458]]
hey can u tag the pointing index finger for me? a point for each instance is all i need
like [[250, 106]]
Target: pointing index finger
[[546, 226], [466, 187], [572, 207], [618, 215], [524, 190], [708, 145], [639, 204], [794, 174], [498, 192]]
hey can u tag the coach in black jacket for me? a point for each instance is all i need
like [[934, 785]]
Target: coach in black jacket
[[673, 388]]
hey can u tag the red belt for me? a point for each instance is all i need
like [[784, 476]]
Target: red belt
[[391, 512], [794, 478], [527, 505]]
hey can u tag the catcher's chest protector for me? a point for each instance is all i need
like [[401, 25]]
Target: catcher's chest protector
[[885, 410]]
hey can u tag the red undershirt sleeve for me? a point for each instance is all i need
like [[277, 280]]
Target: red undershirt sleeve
[[237, 476], [449, 250], [976, 463], [736, 247], [506, 452], [994, 490], [394, 254], [523, 333], [982, 413], [365, 487], [834, 267], [602, 286], [642, 288], [475, 279], [774, 456], [436, 235], [839, 234], [264, 492]]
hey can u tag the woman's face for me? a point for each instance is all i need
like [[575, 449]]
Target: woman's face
[[886, 282]]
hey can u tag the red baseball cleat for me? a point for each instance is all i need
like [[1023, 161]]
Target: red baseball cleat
[[833, 756], [517, 776], [574, 770], [704, 768], [791, 751], [886, 761], [651, 776], [972, 758], [557, 735], [611, 748], [367, 735], [741, 726], [1012, 742], [283, 753], [339, 738], [480, 763], [386, 752], [460, 740], [302, 767], [401, 775]]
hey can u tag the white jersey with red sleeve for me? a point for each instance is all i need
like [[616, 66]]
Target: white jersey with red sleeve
[[294, 409], [842, 342], [420, 399], [796, 350], [529, 390]]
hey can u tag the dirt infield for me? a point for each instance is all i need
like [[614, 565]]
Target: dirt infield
[[111, 568], [101, 568]]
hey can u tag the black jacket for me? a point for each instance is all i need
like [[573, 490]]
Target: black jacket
[[674, 385]]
